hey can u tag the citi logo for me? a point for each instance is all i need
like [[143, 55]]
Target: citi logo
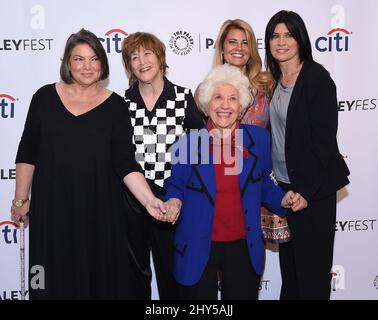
[[337, 40], [113, 40], [8, 231], [7, 105]]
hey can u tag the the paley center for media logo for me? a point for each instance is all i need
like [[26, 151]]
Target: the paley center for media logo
[[181, 42]]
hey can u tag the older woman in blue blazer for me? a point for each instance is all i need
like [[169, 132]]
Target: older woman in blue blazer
[[219, 181]]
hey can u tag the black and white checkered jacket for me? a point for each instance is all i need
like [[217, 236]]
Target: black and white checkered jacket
[[155, 131]]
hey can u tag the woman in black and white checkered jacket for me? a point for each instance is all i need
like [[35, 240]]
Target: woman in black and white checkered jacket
[[160, 111]]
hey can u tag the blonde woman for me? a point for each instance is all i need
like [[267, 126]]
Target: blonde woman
[[236, 45]]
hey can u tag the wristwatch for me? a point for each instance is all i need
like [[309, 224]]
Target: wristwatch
[[19, 202]]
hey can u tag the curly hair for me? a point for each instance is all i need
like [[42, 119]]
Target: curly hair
[[225, 74]]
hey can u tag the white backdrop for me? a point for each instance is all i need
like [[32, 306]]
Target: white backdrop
[[32, 39]]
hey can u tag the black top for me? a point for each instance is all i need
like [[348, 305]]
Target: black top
[[77, 214], [315, 166]]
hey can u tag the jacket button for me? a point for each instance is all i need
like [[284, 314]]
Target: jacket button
[[248, 228], [251, 245], [287, 148], [245, 211], [291, 170]]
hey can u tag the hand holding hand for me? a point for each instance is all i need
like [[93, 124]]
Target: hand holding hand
[[299, 203], [173, 207], [287, 201], [294, 201], [156, 208]]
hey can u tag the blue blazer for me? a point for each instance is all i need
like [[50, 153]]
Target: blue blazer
[[194, 184]]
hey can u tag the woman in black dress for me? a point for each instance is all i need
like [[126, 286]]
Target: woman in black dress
[[74, 153]]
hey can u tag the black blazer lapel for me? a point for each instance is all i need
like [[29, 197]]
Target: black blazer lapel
[[205, 173]]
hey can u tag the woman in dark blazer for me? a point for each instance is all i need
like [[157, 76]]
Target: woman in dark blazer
[[305, 155], [221, 178]]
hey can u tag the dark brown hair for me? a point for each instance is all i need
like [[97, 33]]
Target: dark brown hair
[[83, 36]]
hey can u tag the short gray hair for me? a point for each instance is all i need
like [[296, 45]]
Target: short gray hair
[[225, 74]]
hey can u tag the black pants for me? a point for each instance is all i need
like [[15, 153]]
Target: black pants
[[148, 235], [306, 260], [239, 280]]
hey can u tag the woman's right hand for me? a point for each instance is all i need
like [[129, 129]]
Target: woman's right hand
[[20, 213], [156, 208]]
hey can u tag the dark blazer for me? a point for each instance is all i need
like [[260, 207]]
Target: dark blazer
[[195, 186], [315, 167]]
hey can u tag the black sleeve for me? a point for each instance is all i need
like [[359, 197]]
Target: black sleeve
[[321, 103], [123, 149], [323, 117], [29, 143], [193, 119]]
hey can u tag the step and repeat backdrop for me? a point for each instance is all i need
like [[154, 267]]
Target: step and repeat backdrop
[[32, 38]]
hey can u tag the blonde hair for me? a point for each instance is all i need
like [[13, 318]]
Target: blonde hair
[[225, 74], [258, 79]]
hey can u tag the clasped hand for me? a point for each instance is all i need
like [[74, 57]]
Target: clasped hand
[[294, 201], [168, 211]]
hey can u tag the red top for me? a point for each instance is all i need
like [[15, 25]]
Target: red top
[[228, 224]]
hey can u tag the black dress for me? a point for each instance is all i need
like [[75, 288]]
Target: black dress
[[77, 215]]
